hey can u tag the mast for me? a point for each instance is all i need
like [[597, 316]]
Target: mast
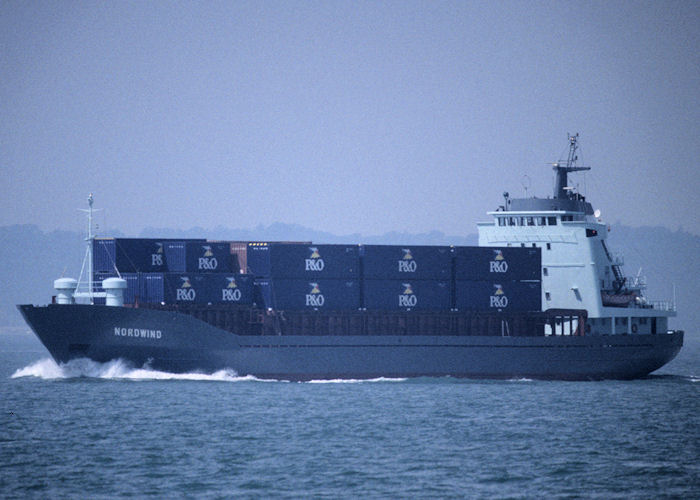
[[88, 253], [561, 190]]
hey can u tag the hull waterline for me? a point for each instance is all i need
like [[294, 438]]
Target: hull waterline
[[176, 342]]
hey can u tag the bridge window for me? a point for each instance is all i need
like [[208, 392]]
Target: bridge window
[[511, 221], [541, 221], [547, 296], [549, 246], [501, 221], [545, 271], [567, 218], [551, 221], [591, 232], [530, 221]]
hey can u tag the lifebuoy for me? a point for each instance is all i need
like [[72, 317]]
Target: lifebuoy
[[634, 328]]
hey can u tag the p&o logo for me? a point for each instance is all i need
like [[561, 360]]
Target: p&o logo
[[407, 264], [231, 293], [407, 298], [499, 263], [207, 262], [498, 299], [314, 262], [186, 292], [315, 298], [157, 257]]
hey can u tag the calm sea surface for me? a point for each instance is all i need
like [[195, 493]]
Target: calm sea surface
[[105, 431]]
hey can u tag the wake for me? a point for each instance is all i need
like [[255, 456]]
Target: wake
[[355, 381], [48, 369]]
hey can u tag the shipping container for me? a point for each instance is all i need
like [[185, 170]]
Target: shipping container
[[208, 288], [190, 288], [230, 288], [262, 293], [239, 250], [406, 262], [198, 257], [152, 288], [104, 255], [176, 256], [498, 295], [306, 261], [208, 257], [491, 263], [404, 295], [322, 294], [131, 255], [139, 255]]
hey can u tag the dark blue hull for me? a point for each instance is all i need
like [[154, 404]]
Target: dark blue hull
[[177, 342]]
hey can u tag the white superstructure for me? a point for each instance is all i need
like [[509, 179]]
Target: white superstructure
[[578, 269]]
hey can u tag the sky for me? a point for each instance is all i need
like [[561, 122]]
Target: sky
[[346, 117]]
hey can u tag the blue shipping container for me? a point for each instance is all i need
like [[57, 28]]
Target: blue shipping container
[[131, 255], [208, 257], [231, 288], [151, 286], [405, 295], [498, 295], [406, 262], [304, 261], [491, 263], [198, 257], [140, 255], [176, 256], [258, 259], [262, 295], [325, 294], [187, 288], [104, 255]]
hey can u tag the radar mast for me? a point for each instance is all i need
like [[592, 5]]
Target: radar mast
[[561, 188]]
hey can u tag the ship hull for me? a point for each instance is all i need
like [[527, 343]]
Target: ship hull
[[176, 342]]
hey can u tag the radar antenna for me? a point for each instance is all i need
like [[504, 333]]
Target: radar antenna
[[561, 189]]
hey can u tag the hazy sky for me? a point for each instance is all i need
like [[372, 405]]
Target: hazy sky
[[344, 116]]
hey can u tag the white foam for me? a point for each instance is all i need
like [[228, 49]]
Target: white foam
[[520, 380], [44, 368], [356, 381], [47, 369]]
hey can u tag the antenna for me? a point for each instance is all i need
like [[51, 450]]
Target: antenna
[[88, 252], [526, 182], [560, 186]]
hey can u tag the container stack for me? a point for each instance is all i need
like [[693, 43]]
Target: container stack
[[487, 278], [404, 278], [306, 276], [395, 278], [193, 271]]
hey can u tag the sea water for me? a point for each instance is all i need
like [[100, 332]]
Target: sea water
[[90, 430]]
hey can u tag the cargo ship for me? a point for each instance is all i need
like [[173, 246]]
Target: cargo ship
[[541, 297]]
